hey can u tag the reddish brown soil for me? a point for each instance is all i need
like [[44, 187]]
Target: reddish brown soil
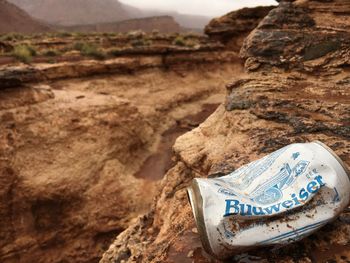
[[156, 165]]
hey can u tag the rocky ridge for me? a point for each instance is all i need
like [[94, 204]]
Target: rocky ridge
[[79, 12], [74, 12], [14, 19], [297, 90]]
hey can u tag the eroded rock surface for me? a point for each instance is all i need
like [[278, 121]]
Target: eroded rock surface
[[233, 28], [297, 91], [74, 136]]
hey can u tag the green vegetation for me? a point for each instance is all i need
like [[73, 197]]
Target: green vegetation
[[110, 34], [179, 41], [101, 45], [89, 50], [115, 52], [141, 42], [24, 53], [12, 37]]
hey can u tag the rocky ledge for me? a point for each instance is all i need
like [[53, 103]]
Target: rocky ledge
[[233, 28], [17, 75], [297, 91]]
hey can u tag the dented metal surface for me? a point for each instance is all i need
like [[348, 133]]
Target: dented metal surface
[[276, 200]]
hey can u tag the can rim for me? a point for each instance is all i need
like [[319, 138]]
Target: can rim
[[196, 202], [340, 161]]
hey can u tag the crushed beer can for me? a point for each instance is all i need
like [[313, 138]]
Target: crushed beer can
[[276, 200]]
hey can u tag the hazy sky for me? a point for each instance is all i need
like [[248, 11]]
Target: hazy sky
[[200, 7]]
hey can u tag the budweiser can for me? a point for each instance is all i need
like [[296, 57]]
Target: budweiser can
[[278, 199]]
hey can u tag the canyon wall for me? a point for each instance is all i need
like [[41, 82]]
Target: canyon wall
[[77, 140], [297, 90]]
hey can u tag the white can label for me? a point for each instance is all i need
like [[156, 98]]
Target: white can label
[[278, 199]]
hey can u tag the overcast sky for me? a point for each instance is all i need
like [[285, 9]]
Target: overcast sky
[[199, 7]]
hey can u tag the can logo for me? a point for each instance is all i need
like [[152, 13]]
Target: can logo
[[304, 185]]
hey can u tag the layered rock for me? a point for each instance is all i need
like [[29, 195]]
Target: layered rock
[[13, 76], [304, 36], [297, 91], [233, 28], [74, 136]]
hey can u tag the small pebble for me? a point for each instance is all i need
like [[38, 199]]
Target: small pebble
[[194, 230], [190, 254]]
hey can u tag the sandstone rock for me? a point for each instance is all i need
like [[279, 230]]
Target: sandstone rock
[[72, 145], [303, 36], [13, 76], [233, 28], [298, 92]]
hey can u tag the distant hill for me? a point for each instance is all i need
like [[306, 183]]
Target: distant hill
[[75, 12], [14, 19], [186, 21], [88, 12], [163, 24], [192, 21]]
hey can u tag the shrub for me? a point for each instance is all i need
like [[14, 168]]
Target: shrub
[[115, 52], [179, 41], [89, 50], [51, 53], [32, 50], [78, 46], [24, 53], [141, 42], [109, 34], [12, 36]]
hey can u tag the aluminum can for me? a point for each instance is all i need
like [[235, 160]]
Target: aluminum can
[[276, 200]]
